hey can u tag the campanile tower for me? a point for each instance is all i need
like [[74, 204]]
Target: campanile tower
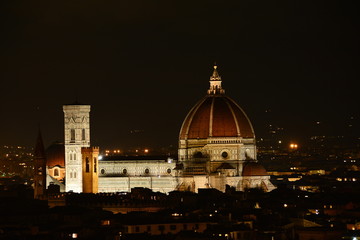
[[77, 135]]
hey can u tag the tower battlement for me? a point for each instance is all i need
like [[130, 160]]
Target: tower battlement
[[90, 149]]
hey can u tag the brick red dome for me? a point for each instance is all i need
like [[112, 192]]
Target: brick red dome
[[55, 155], [216, 116], [254, 169]]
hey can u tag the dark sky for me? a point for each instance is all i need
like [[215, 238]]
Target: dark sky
[[143, 64]]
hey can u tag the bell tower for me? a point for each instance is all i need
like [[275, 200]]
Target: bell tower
[[77, 135]]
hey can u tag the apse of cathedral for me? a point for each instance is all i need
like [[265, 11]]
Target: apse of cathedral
[[217, 141], [217, 149]]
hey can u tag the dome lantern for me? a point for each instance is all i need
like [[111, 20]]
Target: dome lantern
[[215, 83]]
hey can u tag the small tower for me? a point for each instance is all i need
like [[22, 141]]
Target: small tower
[[90, 169], [77, 135], [215, 83], [39, 168]]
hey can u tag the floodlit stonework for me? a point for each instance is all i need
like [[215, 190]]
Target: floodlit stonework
[[217, 149], [122, 175], [77, 135], [216, 140]]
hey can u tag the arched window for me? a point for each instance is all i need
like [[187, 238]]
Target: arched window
[[74, 156], [83, 134], [87, 165], [95, 160], [71, 175], [74, 174], [56, 172]]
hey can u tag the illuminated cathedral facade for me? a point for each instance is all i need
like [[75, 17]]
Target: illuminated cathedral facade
[[217, 149]]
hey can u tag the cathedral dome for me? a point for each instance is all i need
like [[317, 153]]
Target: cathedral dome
[[216, 115], [254, 169], [55, 155]]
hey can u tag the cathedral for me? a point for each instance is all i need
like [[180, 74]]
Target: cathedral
[[217, 149]]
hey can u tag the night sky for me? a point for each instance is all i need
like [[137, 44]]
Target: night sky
[[143, 64]]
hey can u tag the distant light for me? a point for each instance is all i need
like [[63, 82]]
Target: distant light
[[100, 157], [293, 146], [285, 205], [146, 150]]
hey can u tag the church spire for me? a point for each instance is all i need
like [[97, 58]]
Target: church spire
[[39, 147], [215, 83], [39, 168]]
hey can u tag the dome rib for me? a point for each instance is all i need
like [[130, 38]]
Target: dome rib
[[242, 120], [223, 121], [216, 116], [211, 118], [184, 130], [199, 125], [234, 116]]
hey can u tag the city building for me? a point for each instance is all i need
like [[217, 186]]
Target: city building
[[217, 149]]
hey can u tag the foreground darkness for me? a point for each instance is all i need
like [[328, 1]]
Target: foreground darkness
[[284, 213], [317, 197]]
